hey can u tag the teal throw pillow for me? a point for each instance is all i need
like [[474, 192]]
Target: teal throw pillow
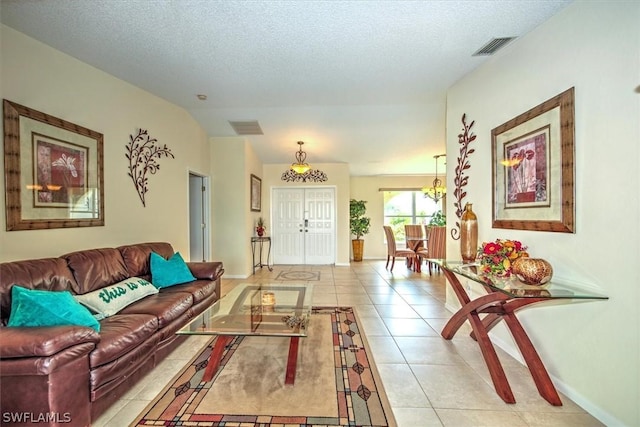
[[165, 273], [32, 307], [111, 299]]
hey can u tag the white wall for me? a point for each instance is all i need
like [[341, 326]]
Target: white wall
[[44, 79], [229, 194], [592, 348]]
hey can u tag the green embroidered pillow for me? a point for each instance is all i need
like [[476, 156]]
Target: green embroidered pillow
[[165, 273], [111, 299], [32, 307]]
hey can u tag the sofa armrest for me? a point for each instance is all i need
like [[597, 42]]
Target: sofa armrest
[[44, 341], [206, 270]]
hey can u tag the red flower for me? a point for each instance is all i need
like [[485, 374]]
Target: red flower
[[491, 248]]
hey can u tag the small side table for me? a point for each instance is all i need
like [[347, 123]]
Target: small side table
[[259, 242]]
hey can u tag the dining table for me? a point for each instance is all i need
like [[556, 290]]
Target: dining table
[[415, 243]]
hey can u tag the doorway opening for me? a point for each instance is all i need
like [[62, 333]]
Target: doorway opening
[[199, 225]]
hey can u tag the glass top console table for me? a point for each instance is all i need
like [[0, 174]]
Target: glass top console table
[[260, 242], [504, 297]]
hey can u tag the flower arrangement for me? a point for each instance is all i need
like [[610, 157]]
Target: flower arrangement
[[496, 257], [260, 228]]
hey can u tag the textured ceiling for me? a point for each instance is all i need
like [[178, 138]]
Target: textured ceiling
[[361, 82]]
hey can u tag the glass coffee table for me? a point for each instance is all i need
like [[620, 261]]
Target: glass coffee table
[[281, 310]]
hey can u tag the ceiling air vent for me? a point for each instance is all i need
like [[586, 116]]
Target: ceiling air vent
[[493, 45], [247, 128]]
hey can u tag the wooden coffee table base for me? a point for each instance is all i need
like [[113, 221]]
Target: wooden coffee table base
[[223, 340]]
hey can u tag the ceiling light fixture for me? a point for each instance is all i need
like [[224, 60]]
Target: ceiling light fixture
[[300, 166], [300, 170], [437, 191]]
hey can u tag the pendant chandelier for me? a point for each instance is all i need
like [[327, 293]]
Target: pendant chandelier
[[437, 191], [300, 170]]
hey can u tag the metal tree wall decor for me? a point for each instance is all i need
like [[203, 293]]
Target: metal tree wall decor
[[460, 180], [142, 153]]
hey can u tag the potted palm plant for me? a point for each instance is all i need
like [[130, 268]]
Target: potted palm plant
[[359, 225]]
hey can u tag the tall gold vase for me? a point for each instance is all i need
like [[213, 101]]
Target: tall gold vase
[[468, 234]]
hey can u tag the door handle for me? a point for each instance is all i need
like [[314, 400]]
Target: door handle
[[306, 223]]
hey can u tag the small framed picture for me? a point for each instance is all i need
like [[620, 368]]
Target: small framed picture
[[256, 193]]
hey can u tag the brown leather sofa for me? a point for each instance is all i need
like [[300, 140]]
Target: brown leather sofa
[[68, 375]]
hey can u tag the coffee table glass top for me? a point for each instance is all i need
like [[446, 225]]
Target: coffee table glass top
[[516, 289], [257, 309]]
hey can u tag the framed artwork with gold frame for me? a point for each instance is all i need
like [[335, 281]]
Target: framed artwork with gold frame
[[533, 168], [256, 193], [53, 171]]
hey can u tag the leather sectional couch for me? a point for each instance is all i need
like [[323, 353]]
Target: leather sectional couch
[[71, 374]]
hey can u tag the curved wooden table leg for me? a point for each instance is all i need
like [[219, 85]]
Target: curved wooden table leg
[[470, 310], [492, 319], [539, 373], [498, 377], [475, 306], [216, 357]]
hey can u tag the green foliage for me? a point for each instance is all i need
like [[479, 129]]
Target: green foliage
[[438, 219], [358, 223]]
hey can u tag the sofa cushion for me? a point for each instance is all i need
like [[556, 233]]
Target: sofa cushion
[[33, 308], [111, 299], [121, 334], [96, 268], [165, 306], [50, 274], [136, 257], [173, 271], [24, 343], [200, 289]]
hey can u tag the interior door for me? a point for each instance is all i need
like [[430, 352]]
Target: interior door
[[303, 226]]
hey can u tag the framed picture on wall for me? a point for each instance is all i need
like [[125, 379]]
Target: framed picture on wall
[[256, 193], [53, 171], [533, 168]]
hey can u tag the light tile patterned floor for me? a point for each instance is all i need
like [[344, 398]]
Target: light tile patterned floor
[[429, 381]]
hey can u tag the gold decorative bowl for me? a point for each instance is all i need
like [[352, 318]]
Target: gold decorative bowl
[[532, 271]]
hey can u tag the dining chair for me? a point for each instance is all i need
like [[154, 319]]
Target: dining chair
[[414, 235], [393, 251], [436, 245]]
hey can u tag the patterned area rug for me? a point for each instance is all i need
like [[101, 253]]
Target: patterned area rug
[[299, 275], [336, 382]]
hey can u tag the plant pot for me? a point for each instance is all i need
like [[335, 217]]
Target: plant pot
[[358, 249]]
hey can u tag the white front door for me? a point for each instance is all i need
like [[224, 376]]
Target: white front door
[[303, 225]]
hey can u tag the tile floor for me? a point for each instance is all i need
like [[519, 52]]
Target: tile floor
[[429, 381]]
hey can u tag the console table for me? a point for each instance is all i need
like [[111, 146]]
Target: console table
[[504, 297], [259, 242]]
